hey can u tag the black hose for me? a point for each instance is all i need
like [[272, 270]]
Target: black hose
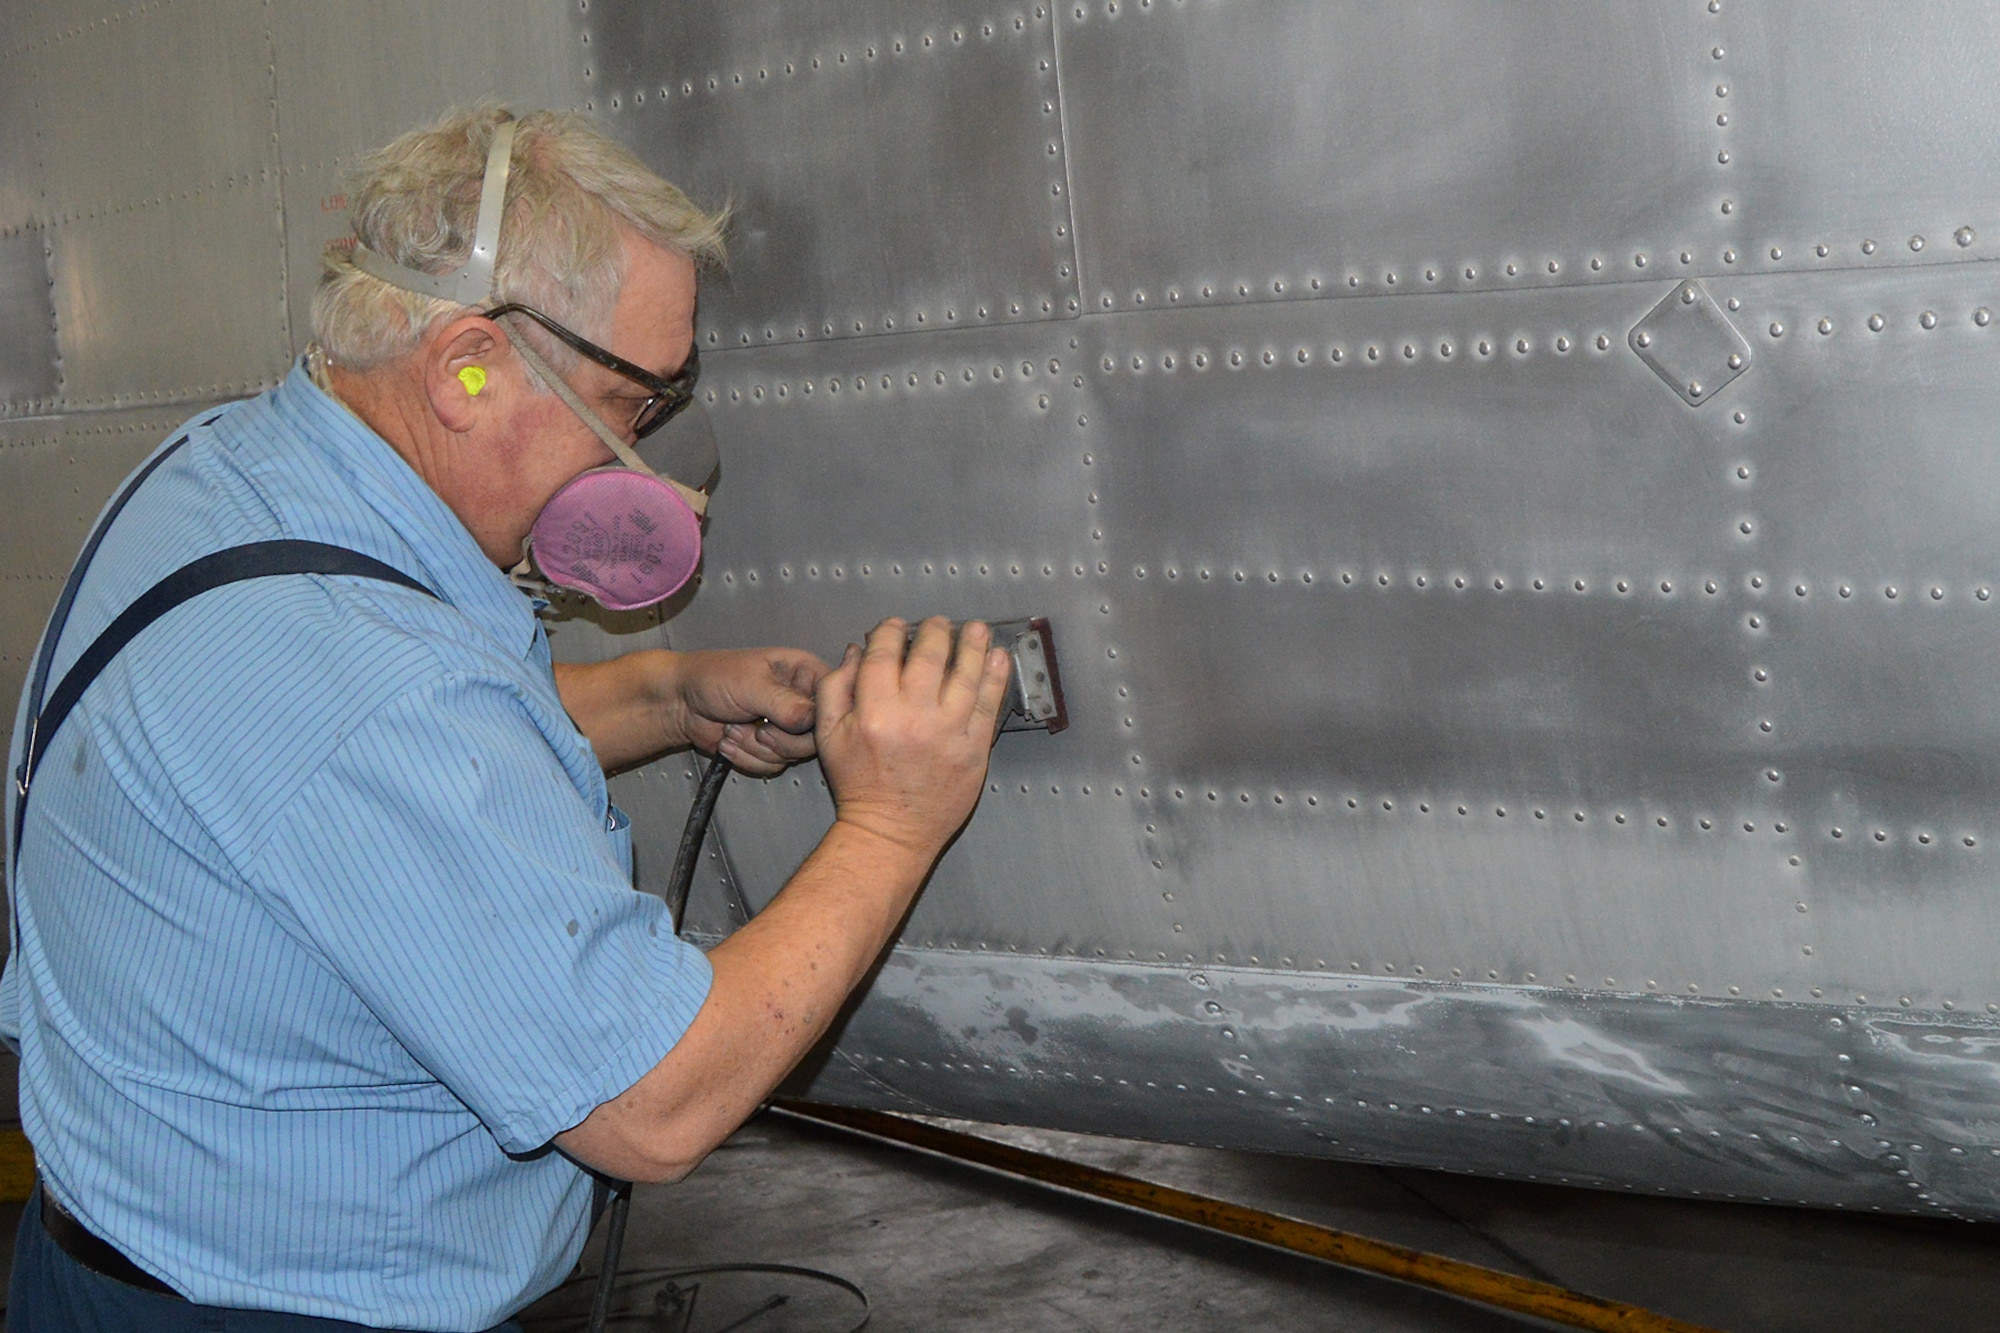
[[678, 884], [692, 834]]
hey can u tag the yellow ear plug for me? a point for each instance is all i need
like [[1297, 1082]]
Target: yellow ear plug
[[473, 378]]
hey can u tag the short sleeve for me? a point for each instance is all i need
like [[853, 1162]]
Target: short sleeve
[[443, 864]]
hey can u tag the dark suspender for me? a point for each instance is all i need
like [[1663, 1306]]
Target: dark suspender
[[234, 564]]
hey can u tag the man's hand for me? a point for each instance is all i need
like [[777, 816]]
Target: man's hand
[[752, 706], [904, 739]]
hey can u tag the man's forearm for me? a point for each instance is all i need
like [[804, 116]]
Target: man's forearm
[[779, 982], [627, 707]]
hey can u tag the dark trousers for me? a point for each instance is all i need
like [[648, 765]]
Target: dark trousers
[[53, 1293]]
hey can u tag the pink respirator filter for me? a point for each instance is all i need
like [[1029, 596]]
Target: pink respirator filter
[[619, 536]]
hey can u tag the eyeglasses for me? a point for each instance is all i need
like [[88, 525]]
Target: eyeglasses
[[668, 396]]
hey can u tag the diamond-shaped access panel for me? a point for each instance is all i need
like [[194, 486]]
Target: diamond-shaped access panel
[[1689, 342]]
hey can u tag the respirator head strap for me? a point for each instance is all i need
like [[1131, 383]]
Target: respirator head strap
[[473, 282]]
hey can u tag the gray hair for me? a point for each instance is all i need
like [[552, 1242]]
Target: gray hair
[[570, 194]]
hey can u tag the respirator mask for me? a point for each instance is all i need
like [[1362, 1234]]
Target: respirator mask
[[623, 534]]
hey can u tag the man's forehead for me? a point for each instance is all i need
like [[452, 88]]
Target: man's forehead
[[654, 313]]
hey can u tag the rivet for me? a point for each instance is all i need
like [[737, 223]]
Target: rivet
[[1820, 250], [1964, 236], [1916, 243], [1982, 317], [1890, 592], [1687, 256], [1777, 330], [1868, 247], [1603, 342], [1643, 340], [1928, 319], [1736, 361], [1638, 261], [1718, 53]]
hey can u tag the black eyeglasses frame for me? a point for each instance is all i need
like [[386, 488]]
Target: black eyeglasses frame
[[669, 396]]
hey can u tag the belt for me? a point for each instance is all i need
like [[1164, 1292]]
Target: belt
[[100, 1256]]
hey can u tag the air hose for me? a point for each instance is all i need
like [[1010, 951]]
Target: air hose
[[678, 884]]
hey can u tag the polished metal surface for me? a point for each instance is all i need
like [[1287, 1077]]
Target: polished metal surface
[[1802, 1104], [1495, 727]]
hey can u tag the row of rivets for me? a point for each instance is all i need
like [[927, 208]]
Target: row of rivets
[[1416, 277], [1420, 581], [191, 394], [68, 217], [83, 29], [840, 58], [1926, 320], [981, 311], [930, 378], [950, 569], [1392, 351]]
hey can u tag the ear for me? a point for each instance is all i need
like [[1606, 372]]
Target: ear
[[453, 347]]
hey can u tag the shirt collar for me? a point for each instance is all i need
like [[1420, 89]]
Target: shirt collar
[[452, 564]]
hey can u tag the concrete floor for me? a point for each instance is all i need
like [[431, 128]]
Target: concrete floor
[[943, 1247], [940, 1247]]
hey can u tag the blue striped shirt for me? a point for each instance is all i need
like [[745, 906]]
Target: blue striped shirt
[[325, 920]]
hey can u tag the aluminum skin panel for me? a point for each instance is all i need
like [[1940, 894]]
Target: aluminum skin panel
[[1843, 1108], [1224, 151], [178, 300], [1865, 465], [893, 165], [102, 84], [349, 77], [1843, 134]]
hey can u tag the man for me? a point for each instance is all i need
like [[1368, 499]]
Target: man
[[328, 974]]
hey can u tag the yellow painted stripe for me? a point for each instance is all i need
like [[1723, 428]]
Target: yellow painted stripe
[[17, 1167], [1469, 1282]]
